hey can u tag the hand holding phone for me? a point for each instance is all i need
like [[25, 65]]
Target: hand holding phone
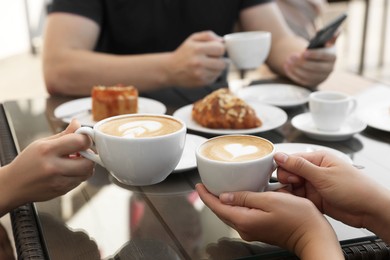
[[326, 33]]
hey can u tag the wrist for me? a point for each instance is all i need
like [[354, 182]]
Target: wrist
[[6, 201], [167, 67], [319, 243], [378, 218]]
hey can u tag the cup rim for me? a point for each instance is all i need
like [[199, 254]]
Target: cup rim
[[103, 121], [198, 153], [343, 97], [254, 34], [320, 92]]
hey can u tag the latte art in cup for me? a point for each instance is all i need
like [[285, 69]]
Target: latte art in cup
[[137, 149], [232, 163], [236, 149], [139, 127]]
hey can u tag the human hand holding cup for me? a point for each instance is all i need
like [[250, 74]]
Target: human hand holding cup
[[330, 109], [137, 149], [232, 163]]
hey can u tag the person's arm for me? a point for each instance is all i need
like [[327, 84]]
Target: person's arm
[[47, 168], [338, 189], [71, 67], [276, 218], [288, 55], [378, 219]]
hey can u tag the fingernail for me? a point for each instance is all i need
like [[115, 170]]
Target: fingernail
[[281, 157], [226, 198]]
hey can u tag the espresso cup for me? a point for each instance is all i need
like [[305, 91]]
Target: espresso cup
[[137, 149], [236, 163], [330, 109], [248, 50]]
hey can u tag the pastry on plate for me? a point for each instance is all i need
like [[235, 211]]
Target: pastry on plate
[[110, 101], [223, 110]]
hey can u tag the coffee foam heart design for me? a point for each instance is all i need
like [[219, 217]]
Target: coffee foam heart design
[[138, 128], [238, 150]]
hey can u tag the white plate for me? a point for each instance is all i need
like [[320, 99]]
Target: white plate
[[81, 109], [188, 159], [305, 123], [272, 117], [291, 148], [281, 95], [377, 116]]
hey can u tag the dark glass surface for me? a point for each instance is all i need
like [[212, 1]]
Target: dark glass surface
[[103, 219]]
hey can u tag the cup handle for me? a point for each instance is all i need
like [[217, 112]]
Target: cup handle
[[272, 186], [275, 186], [353, 106], [89, 154]]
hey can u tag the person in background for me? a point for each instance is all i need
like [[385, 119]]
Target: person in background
[[321, 183], [47, 168], [302, 16], [156, 45]]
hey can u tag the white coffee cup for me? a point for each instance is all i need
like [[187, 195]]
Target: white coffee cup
[[248, 50], [330, 109], [137, 149], [231, 163]]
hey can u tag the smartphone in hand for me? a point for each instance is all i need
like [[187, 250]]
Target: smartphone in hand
[[326, 33]]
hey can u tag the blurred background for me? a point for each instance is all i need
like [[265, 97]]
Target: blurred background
[[361, 46]]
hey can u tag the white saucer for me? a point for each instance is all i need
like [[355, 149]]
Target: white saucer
[[188, 159], [281, 95], [271, 117], [377, 115], [305, 123], [291, 148], [81, 109]]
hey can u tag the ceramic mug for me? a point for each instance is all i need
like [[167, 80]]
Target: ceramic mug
[[330, 109], [137, 149], [236, 163], [248, 50]]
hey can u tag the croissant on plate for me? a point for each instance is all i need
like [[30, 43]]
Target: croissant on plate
[[223, 110]]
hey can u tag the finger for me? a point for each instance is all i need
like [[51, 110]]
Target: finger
[[309, 69], [316, 67], [214, 64], [71, 128], [288, 177], [298, 165], [225, 212], [298, 76], [212, 49], [79, 167], [71, 143], [258, 200], [206, 36], [321, 55]]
